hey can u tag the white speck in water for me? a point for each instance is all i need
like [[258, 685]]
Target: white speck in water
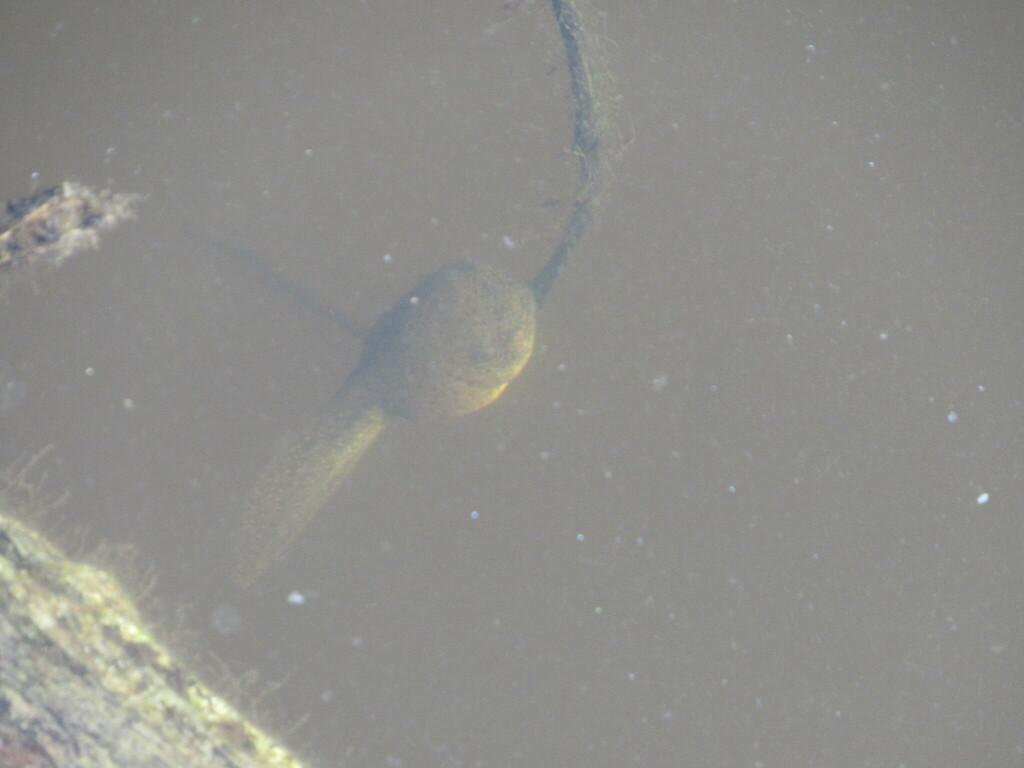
[[90, 371], [387, 258], [951, 417], [414, 300], [659, 382], [475, 515], [508, 242], [13, 394], [297, 598], [982, 498], [579, 537], [129, 404]]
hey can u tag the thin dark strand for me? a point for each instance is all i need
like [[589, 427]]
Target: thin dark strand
[[586, 145], [275, 282]]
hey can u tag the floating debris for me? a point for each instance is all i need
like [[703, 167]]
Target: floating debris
[[41, 231]]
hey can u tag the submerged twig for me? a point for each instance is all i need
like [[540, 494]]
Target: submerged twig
[[40, 232]]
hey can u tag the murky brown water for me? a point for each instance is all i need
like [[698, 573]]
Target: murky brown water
[[730, 515]]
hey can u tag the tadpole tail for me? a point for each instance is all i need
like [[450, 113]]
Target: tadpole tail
[[586, 144], [300, 479]]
